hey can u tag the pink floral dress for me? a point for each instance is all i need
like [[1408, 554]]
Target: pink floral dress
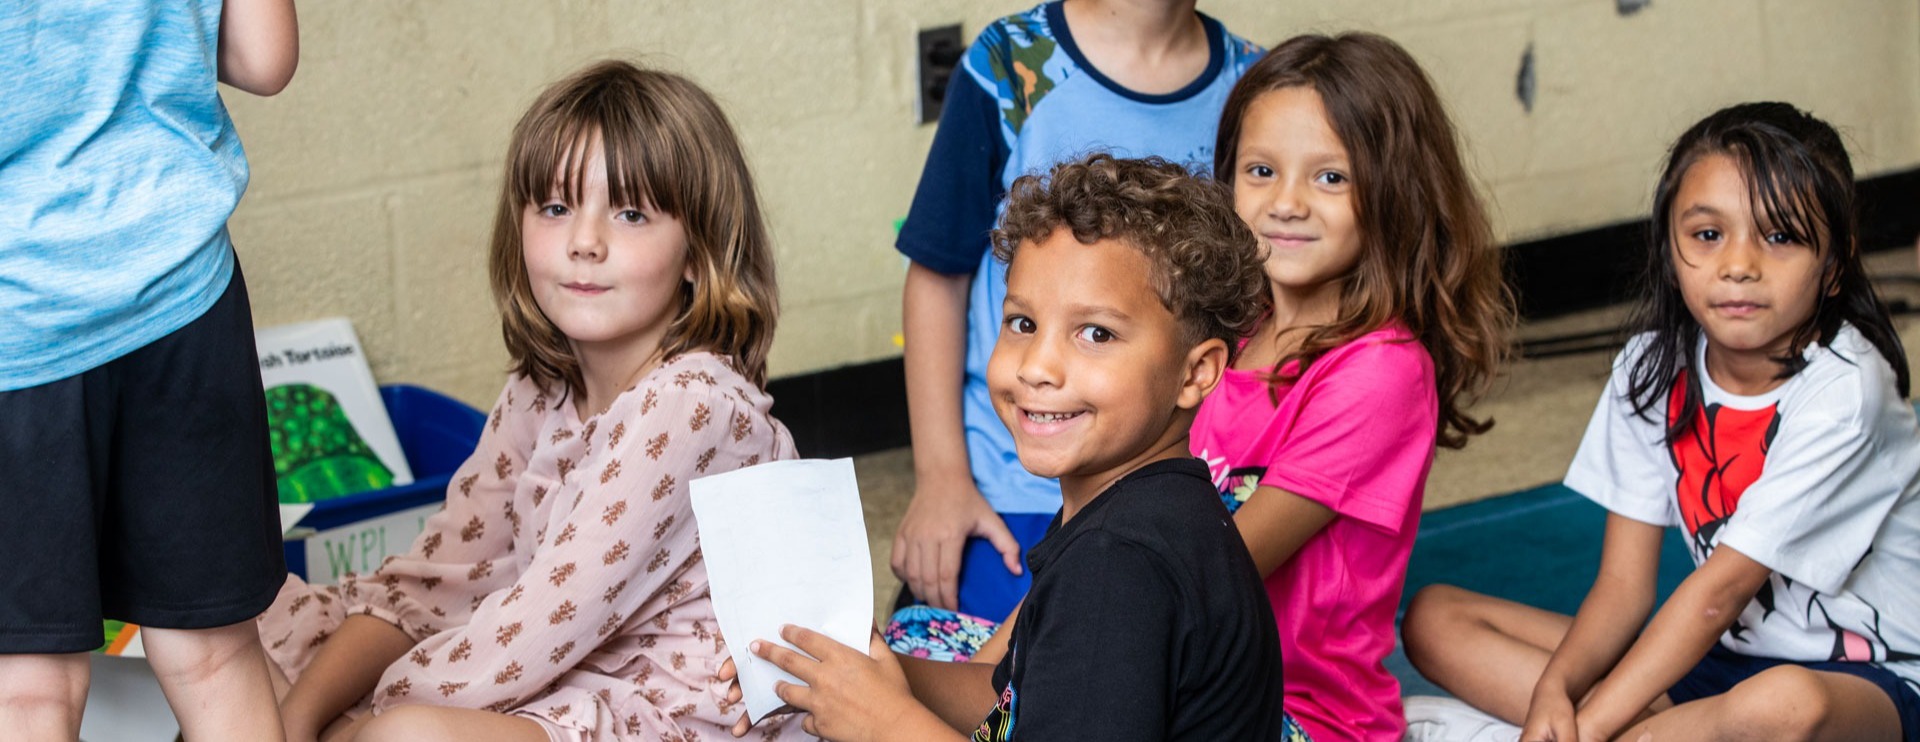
[[563, 581]]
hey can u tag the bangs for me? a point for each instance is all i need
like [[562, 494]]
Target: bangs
[[553, 163], [1783, 185]]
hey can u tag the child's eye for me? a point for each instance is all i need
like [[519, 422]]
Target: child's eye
[[553, 210], [1707, 235], [1260, 171], [1020, 325], [1096, 334], [1331, 177], [634, 216], [1778, 237]]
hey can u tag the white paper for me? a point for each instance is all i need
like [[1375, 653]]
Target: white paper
[[785, 543]]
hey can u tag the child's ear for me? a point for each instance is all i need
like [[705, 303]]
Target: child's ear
[[1206, 363]]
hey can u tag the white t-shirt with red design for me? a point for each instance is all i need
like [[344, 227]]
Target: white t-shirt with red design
[[1818, 479]]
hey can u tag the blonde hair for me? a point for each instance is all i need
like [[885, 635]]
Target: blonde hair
[[665, 143]]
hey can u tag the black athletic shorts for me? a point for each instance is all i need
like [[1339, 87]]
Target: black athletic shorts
[[140, 491]]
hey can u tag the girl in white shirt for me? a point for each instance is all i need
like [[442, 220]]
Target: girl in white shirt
[[1762, 409]]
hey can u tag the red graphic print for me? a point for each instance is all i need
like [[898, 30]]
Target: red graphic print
[[1717, 459]]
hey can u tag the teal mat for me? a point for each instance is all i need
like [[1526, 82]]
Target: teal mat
[[1540, 547]]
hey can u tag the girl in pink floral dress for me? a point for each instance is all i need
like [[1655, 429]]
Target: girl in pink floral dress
[[561, 595]]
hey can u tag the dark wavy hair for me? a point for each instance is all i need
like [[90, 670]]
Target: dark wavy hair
[[1427, 257], [1207, 264], [666, 143], [1797, 172]]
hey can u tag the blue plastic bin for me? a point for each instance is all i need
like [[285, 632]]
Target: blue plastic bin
[[437, 433]]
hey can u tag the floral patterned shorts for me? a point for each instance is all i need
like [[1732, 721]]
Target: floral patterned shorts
[[936, 634]]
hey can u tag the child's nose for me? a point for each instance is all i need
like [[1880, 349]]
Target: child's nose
[[587, 242], [1740, 261], [1040, 364], [1287, 202]]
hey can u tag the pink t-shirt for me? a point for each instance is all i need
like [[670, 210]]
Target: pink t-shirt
[[1356, 434]]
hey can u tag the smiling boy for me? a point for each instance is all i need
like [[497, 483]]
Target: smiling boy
[[1128, 283]]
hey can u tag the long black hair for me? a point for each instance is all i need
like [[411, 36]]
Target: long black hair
[[1797, 171]]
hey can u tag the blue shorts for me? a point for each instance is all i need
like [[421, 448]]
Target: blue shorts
[[987, 589], [1724, 668]]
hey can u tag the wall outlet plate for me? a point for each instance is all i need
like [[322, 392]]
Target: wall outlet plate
[[936, 57]]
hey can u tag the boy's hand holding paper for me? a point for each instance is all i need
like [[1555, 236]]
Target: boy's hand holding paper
[[785, 543]]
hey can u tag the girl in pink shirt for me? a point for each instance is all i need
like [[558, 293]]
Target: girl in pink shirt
[[1388, 315], [561, 594]]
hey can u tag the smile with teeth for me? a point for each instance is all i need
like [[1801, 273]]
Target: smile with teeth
[[1050, 417]]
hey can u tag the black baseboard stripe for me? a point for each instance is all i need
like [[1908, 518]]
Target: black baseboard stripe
[[862, 408]]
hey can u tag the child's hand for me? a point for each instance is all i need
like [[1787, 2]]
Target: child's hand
[[731, 674], [849, 696], [932, 540], [1550, 718]]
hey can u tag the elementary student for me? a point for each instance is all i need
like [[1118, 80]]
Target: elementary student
[[1050, 84], [1128, 282]]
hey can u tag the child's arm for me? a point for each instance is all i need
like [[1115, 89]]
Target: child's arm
[[1701, 609], [961, 693], [1606, 624], [391, 608], [259, 45], [623, 549], [996, 646], [1275, 523], [945, 234], [346, 668], [1358, 448], [946, 508], [849, 696]]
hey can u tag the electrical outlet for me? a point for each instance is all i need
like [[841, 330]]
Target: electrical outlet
[[937, 56]]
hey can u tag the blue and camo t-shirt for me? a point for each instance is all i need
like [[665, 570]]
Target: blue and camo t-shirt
[[1025, 99]]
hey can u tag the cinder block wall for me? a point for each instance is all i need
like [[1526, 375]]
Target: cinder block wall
[[375, 173]]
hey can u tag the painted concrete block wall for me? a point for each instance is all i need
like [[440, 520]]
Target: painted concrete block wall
[[375, 173]]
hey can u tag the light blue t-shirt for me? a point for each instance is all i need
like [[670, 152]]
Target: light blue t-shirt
[[118, 170], [1025, 100]]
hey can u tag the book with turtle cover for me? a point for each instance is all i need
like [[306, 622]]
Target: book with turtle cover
[[330, 432]]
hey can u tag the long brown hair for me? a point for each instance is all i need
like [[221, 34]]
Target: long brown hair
[[666, 143], [1427, 253]]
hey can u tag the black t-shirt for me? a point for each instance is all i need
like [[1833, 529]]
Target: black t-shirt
[[1147, 620]]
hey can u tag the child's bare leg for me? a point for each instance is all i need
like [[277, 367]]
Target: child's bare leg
[[1784, 704], [280, 682], [343, 729], [216, 680], [1487, 651], [42, 695], [441, 724]]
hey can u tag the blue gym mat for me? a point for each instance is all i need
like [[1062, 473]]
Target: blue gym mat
[[1540, 547]]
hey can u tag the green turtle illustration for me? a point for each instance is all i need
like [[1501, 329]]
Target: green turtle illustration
[[317, 454]]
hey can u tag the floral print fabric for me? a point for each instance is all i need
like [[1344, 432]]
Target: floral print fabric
[[563, 580]]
